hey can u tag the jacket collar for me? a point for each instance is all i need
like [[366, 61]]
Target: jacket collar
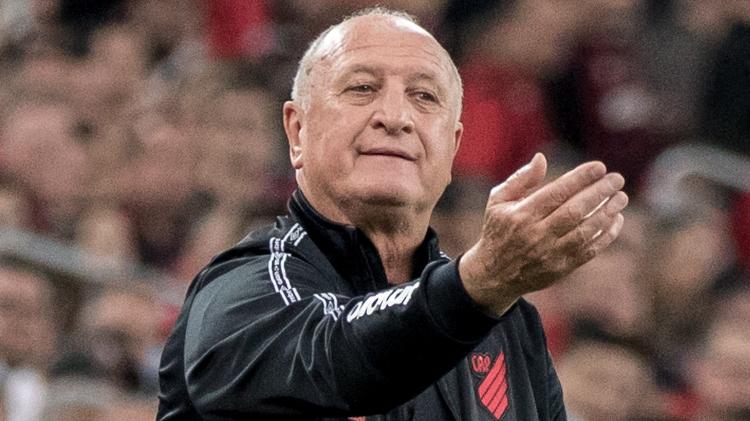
[[349, 250]]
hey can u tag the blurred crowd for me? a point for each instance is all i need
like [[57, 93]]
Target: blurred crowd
[[147, 133]]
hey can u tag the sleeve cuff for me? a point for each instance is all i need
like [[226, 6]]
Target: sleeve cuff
[[452, 308]]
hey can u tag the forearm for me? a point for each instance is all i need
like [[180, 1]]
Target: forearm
[[304, 359]]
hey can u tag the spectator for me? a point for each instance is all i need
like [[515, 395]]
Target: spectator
[[618, 273], [509, 53], [604, 381], [583, 305], [604, 105], [159, 183], [106, 82], [691, 263], [726, 115], [27, 341], [720, 372], [239, 28], [39, 150], [121, 331], [236, 141], [106, 234], [677, 52], [78, 390]]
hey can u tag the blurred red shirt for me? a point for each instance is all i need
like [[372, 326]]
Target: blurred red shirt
[[504, 119], [239, 28]]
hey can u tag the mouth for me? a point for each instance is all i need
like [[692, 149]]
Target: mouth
[[389, 152]]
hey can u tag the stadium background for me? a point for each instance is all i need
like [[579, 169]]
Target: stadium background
[[138, 138]]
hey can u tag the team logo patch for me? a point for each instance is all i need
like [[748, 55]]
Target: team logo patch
[[480, 363], [493, 391]]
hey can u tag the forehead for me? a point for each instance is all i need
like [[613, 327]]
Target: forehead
[[384, 41]]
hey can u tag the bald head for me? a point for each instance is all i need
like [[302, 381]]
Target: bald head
[[356, 27]]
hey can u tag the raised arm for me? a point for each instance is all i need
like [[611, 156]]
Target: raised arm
[[533, 235], [248, 351]]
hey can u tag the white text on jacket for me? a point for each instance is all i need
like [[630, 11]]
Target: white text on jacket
[[381, 301]]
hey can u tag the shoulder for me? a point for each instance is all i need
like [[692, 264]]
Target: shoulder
[[284, 235], [277, 259], [263, 273]]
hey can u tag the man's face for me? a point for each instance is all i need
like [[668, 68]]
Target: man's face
[[381, 125], [721, 376], [25, 329]]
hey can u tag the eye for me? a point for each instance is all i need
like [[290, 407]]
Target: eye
[[426, 96], [362, 89]]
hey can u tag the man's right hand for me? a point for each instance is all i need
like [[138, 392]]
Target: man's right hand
[[534, 236]]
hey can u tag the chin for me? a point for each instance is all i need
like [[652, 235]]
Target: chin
[[387, 195], [385, 203]]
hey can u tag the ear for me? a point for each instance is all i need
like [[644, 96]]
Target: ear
[[458, 133], [293, 115], [457, 136]]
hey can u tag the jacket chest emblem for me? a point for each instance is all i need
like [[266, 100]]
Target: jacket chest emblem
[[492, 388], [480, 363]]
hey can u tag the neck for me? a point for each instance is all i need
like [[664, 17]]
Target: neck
[[396, 251], [396, 234], [395, 231]]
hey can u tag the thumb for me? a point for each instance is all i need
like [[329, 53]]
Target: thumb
[[522, 181]]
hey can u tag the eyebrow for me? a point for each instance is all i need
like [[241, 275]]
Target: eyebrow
[[431, 78], [420, 76], [379, 72]]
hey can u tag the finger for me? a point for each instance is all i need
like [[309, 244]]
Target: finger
[[522, 181], [603, 240], [545, 200], [594, 226], [584, 204]]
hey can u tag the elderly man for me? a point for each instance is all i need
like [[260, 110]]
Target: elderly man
[[346, 308]]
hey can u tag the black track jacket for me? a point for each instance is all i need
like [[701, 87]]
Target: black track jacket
[[298, 322]]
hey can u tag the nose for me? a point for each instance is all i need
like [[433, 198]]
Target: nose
[[393, 113]]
